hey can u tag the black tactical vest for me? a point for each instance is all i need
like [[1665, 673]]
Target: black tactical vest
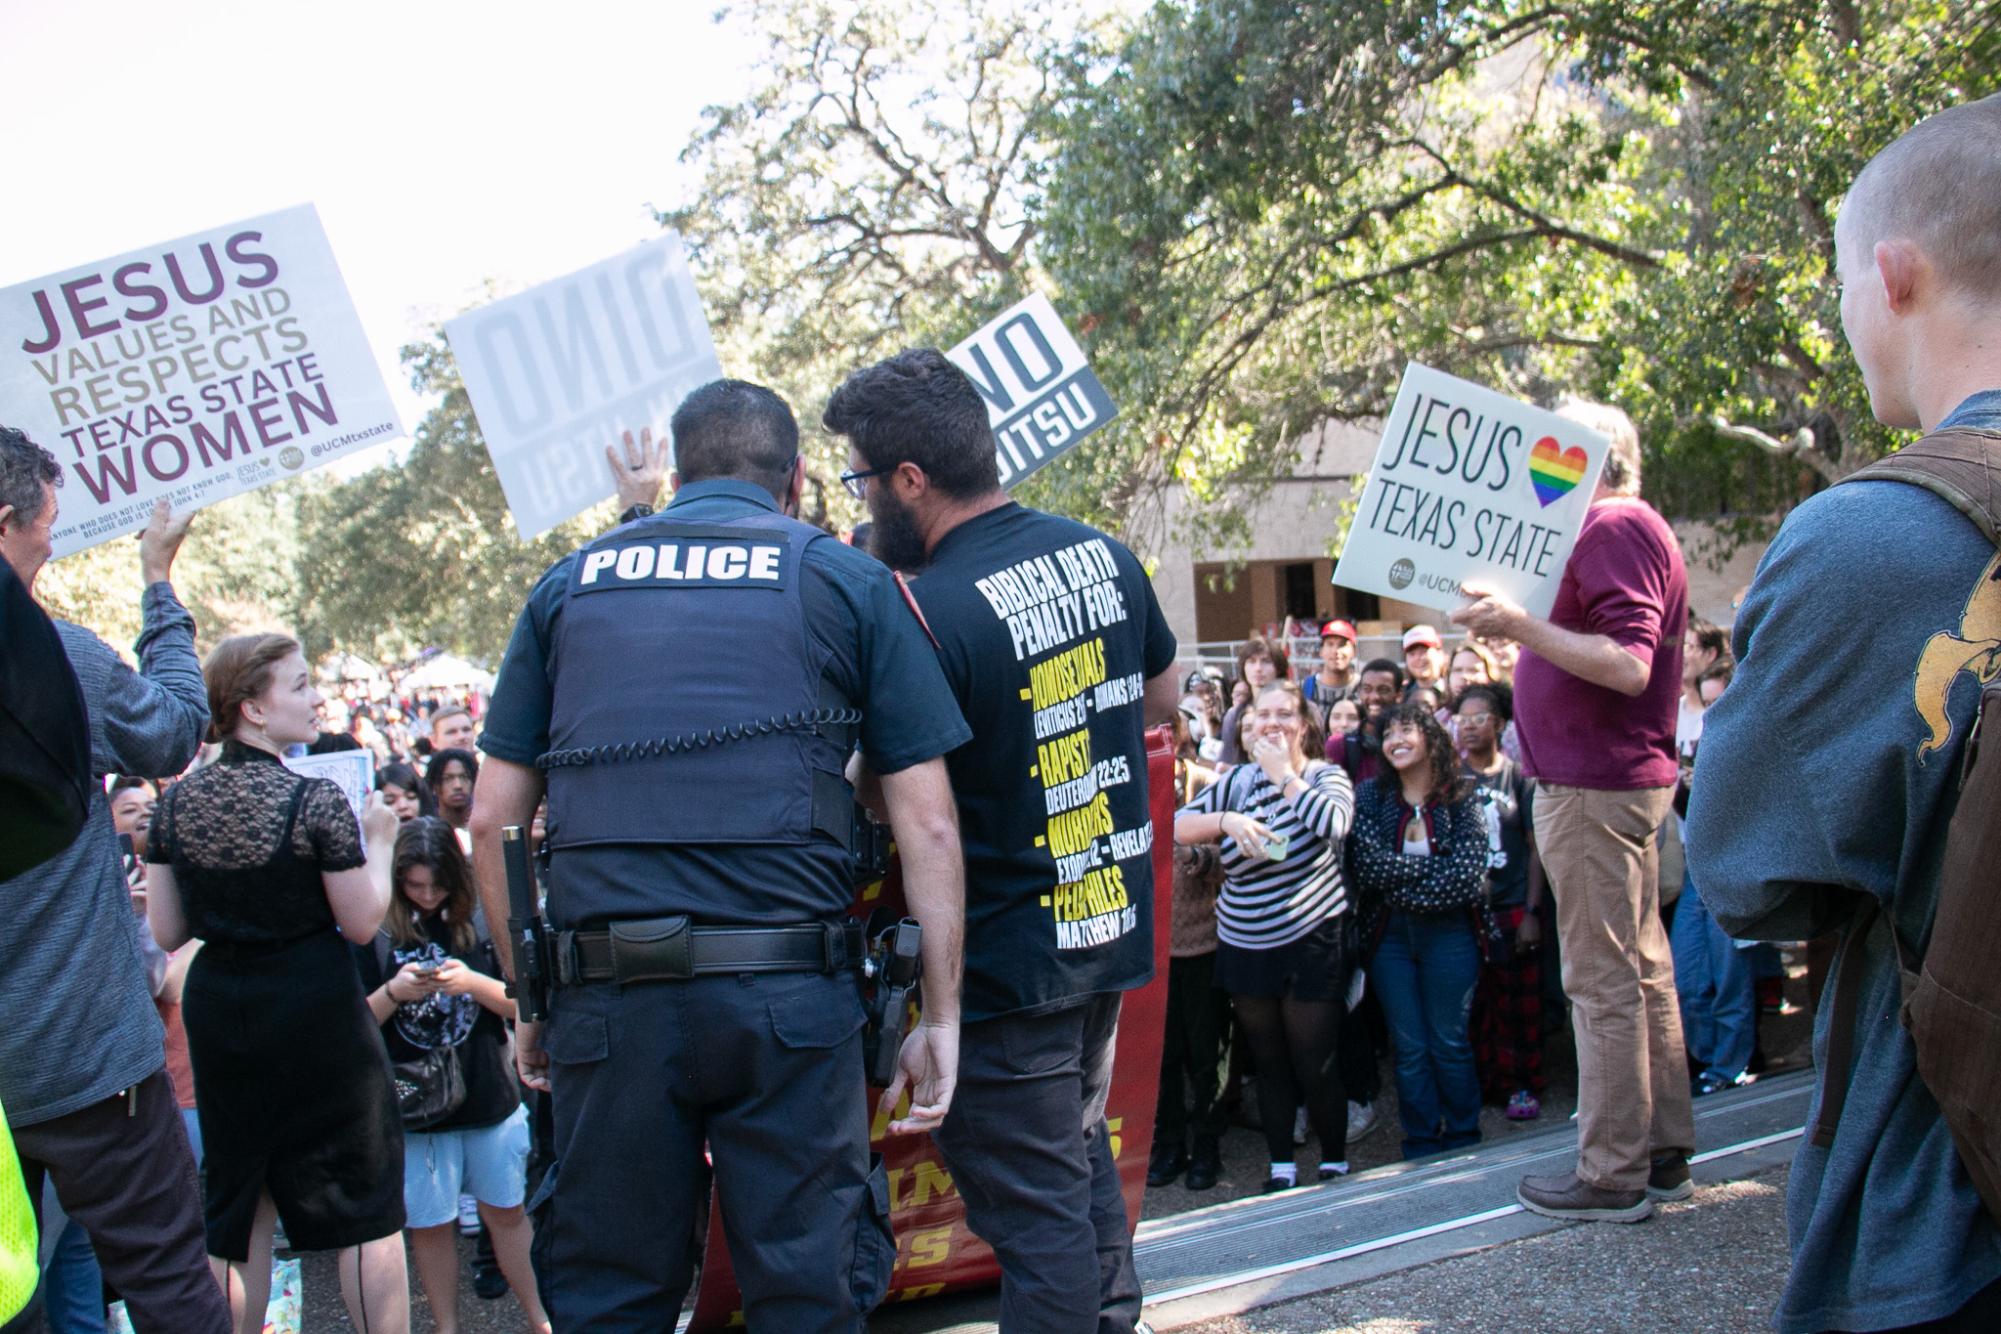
[[688, 698]]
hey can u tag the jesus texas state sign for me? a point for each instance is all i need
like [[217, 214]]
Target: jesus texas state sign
[[1470, 485]]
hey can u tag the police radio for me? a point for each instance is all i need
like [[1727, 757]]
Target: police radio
[[894, 965], [870, 841]]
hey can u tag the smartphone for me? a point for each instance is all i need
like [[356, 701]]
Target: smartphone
[[427, 970], [1276, 846]]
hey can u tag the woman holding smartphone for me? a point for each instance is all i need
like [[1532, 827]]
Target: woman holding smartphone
[[1284, 952], [433, 983]]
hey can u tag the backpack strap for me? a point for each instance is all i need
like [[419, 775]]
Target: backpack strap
[[1841, 1024], [1960, 466]]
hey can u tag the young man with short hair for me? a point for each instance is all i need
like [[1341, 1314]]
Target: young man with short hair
[[1378, 687], [1335, 681], [1424, 658], [1829, 776], [451, 728]]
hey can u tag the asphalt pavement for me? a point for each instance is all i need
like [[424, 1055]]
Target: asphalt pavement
[[1712, 1264]]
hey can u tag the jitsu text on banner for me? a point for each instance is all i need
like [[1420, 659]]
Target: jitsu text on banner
[[1042, 396], [1467, 485], [194, 369], [561, 371]]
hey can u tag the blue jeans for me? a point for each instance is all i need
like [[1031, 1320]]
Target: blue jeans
[[1425, 971], [72, 1285], [1719, 1007]]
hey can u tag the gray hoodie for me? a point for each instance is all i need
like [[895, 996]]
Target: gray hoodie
[[1829, 769]]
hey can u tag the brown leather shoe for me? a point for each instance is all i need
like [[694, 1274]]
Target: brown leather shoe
[[1566, 1197]]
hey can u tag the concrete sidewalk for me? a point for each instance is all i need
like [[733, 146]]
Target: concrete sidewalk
[[1712, 1264]]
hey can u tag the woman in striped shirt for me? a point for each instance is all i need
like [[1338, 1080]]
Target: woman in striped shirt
[[1284, 952]]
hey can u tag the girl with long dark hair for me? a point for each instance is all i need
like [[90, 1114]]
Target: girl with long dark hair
[[1419, 854], [434, 985], [405, 790]]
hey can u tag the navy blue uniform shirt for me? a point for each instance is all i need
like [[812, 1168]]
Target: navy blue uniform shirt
[[877, 656]]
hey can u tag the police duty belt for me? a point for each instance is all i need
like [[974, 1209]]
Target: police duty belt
[[805, 720], [672, 949]]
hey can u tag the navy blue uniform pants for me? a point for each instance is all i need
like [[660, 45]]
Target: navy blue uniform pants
[[767, 1070], [1029, 1151]]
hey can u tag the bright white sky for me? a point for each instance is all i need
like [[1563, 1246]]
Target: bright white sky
[[446, 142]]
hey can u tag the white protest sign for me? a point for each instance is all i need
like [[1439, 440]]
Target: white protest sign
[[195, 369], [562, 370], [1470, 485], [353, 771], [1042, 396]]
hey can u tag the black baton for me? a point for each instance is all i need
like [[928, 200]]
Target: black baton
[[526, 932]]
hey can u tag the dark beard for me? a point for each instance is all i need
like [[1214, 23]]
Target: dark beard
[[893, 538]]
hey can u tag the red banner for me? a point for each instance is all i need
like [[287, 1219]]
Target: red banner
[[935, 1251]]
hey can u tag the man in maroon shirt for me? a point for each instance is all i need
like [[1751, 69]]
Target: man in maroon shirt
[[1595, 698]]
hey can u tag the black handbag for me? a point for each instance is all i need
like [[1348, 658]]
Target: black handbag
[[431, 1088]]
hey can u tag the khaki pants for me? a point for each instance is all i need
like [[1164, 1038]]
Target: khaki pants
[[1632, 1073]]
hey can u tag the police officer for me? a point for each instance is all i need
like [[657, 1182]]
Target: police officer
[[689, 688], [1059, 656]]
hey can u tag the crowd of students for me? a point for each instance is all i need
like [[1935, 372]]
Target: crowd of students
[[1356, 859], [240, 870]]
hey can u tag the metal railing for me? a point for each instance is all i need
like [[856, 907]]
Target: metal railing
[[1220, 655]]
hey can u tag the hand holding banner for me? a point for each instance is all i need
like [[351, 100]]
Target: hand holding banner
[[560, 372], [192, 370], [1470, 485]]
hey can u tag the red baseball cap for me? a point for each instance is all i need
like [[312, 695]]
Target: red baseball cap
[[1421, 635], [1329, 629]]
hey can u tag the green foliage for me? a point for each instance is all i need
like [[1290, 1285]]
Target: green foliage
[[1253, 213], [1266, 209], [234, 573], [421, 553], [1739, 333], [877, 189]]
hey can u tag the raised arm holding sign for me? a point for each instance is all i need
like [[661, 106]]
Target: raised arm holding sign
[[562, 373], [190, 371], [1469, 485]]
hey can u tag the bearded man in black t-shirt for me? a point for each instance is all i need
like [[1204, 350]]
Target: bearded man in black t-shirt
[[1056, 649]]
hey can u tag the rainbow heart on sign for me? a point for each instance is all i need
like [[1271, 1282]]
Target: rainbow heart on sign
[[1554, 470]]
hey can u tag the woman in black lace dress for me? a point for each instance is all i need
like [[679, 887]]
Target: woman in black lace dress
[[293, 1089]]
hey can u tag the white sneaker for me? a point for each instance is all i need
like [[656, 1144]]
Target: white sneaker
[[1299, 1126], [468, 1216], [1361, 1120]]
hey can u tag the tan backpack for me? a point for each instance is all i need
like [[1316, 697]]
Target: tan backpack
[[1952, 993]]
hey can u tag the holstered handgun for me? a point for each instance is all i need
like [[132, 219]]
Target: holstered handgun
[[527, 933], [895, 963]]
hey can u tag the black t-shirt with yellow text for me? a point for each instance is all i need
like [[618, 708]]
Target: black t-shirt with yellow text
[[1047, 631]]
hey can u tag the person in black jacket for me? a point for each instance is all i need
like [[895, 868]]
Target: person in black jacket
[[1419, 849]]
